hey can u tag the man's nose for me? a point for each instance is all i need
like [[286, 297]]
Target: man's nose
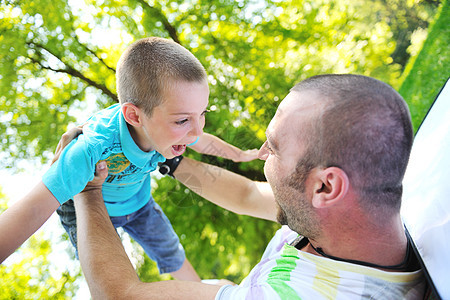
[[263, 153]]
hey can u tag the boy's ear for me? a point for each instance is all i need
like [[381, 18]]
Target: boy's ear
[[132, 114], [330, 186]]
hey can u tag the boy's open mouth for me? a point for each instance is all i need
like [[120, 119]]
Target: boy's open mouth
[[178, 149]]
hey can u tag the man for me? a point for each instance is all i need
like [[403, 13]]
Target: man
[[335, 154]]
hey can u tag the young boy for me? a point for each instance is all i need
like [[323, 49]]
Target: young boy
[[163, 94]]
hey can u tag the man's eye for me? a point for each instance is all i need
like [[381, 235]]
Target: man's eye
[[268, 148], [204, 113], [181, 122]]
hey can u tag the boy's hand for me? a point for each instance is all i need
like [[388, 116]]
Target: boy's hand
[[247, 155], [66, 138]]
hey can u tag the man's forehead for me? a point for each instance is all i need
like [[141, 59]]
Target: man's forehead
[[299, 102], [278, 128], [271, 136], [293, 111], [295, 107], [273, 129]]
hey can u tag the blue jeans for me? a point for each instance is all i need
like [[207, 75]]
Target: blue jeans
[[148, 226]]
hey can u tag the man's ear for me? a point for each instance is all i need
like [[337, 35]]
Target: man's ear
[[330, 186], [132, 114]]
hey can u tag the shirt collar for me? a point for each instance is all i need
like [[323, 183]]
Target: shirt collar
[[133, 153]]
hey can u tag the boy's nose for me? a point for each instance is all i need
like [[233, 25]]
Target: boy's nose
[[197, 129]]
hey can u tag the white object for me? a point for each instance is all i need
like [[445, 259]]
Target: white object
[[426, 199]]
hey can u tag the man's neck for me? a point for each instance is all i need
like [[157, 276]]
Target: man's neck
[[383, 245]]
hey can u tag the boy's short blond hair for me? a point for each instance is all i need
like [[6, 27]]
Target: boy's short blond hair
[[149, 66]]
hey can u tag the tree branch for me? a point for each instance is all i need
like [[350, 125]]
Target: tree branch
[[94, 53], [72, 72], [153, 10]]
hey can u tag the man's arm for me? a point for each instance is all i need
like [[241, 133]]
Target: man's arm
[[105, 264], [27, 215], [24, 217], [227, 189]]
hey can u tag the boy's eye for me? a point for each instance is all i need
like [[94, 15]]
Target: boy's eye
[[181, 122]]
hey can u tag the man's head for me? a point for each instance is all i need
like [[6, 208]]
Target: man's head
[[352, 129], [164, 95]]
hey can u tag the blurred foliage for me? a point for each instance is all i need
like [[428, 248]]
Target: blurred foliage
[[58, 57], [31, 277], [57, 66], [430, 69], [404, 19], [3, 203]]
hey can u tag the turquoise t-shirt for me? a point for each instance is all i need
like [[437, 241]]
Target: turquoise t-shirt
[[105, 137]]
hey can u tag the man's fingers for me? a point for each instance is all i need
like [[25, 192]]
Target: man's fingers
[[101, 170], [66, 138]]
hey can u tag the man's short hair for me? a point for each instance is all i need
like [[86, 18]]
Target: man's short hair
[[150, 66], [365, 129]]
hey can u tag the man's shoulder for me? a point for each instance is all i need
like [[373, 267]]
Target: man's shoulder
[[286, 235], [283, 236]]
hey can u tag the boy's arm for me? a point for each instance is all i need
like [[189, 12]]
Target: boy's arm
[[212, 145], [73, 170], [227, 189], [24, 217], [105, 264]]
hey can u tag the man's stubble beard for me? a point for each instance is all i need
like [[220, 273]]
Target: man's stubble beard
[[294, 208]]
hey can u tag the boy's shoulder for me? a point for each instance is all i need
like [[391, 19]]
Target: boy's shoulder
[[106, 114], [104, 126]]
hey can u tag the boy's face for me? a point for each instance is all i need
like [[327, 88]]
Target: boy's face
[[179, 119]]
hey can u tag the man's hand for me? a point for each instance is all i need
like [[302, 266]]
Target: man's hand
[[101, 172], [66, 138]]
